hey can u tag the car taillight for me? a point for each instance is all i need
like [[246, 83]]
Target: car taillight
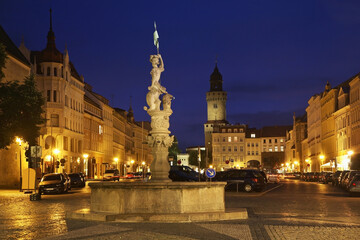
[[255, 180]]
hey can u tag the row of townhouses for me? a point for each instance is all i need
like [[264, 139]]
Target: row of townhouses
[[82, 133], [327, 137]]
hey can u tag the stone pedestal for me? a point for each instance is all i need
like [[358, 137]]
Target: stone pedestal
[[157, 202], [156, 197]]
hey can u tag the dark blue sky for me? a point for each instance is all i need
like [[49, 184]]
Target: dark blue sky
[[273, 55]]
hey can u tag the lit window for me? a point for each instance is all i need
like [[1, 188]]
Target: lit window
[[235, 139], [276, 148], [282, 148], [281, 140], [229, 139], [270, 149], [48, 97], [253, 135]]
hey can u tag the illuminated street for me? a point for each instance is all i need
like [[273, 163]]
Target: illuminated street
[[292, 210]]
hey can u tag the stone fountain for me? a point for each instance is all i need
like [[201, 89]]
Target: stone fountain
[[160, 199]]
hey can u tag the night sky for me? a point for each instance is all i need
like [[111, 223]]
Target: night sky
[[273, 55]]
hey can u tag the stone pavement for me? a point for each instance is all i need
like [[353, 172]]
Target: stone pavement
[[218, 230], [294, 210]]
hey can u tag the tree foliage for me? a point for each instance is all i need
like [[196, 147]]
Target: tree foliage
[[194, 158], [20, 110], [2, 59], [174, 149]]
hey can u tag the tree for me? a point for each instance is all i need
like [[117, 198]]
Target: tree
[[20, 109], [174, 149], [194, 158], [2, 60]]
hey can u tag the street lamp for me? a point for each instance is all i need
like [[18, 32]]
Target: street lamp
[[116, 161], [56, 152], [19, 141], [349, 154], [322, 157]]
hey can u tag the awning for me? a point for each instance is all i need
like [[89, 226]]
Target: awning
[[326, 165]]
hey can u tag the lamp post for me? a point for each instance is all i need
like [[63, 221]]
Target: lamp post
[[19, 141], [321, 157], [56, 152], [116, 162], [132, 165], [349, 154], [85, 156]]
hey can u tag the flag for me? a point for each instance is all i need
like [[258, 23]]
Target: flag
[[156, 37]]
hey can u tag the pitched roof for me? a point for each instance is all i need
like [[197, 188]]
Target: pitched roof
[[275, 131], [11, 48]]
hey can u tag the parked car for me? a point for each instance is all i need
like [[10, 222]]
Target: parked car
[[184, 173], [341, 177], [325, 177], [335, 178], [68, 180], [77, 180], [273, 177], [111, 175], [53, 183], [242, 179], [354, 186], [348, 178], [309, 176]]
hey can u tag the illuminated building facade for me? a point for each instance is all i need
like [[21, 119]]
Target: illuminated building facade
[[216, 111], [82, 133]]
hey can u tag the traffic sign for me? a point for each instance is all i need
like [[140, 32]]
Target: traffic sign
[[35, 151], [210, 172]]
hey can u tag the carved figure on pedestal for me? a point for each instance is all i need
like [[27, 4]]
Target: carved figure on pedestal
[[152, 99], [166, 100], [157, 69]]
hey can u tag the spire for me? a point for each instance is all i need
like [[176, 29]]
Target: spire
[[130, 115], [50, 19], [51, 35], [328, 86], [216, 79], [50, 53]]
